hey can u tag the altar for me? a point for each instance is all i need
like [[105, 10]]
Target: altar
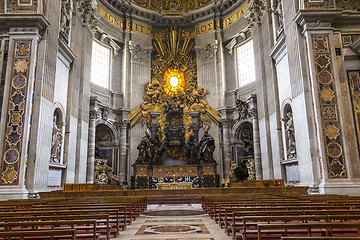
[[181, 185], [174, 177]]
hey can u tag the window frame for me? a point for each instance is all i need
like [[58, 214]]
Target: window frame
[[237, 46], [110, 63]]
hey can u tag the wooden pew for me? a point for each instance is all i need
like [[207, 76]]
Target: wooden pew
[[320, 238], [102, 221], [78, 225], [325, 229], [239, 216], [51, 234]]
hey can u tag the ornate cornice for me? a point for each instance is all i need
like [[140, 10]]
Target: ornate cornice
[[325, 19]]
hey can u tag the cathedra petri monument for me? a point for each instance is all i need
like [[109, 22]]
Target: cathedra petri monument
[[171, 155]]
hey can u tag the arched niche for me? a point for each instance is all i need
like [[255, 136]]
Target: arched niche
[[106, 140], [243, 151], [290, 162], [243, 140], [57, 138]]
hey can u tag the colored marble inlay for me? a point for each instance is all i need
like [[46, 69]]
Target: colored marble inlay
[[318, 4], [172, 229], [14, 130], [354, 82], [24, 6], [348, 4], [329, 107]]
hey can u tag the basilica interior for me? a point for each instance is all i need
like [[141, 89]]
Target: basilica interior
[[161, 94], [179, 119]]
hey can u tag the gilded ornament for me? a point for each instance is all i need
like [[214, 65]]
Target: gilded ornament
[[327, 94], [357, 103], [15, 118], [9, 176], [21, 65], [332, 132], [174, 83]]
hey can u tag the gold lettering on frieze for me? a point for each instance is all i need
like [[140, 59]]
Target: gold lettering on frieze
[[119, 23], [110, 17]]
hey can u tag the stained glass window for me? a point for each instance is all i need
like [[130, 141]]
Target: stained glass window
[[245, 63], [100, 65], [174, 81]]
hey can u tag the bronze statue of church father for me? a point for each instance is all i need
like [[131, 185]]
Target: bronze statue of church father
[[171, 155]]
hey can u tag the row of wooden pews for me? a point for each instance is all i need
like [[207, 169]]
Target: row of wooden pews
[[264, 216], [68, 218]]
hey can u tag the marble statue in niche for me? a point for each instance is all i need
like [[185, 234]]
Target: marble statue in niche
[[65, 19], [290, 135], [57, 139]]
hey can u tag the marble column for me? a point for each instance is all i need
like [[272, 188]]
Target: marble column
[[256, 135], [123, 125], [91, 146], [226, 144]]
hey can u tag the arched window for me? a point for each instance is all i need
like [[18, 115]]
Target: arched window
[[100, 64], [245, 63]]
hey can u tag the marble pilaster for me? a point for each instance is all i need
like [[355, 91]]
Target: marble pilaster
[[256, 135], [94, 115], [123, 125], [225, 123]]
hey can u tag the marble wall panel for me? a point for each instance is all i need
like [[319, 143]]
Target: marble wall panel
[[83, 152], [283, 76], [70, 153], [43, 147], [264, 150], [310, 165], [61, 82], [276, 155]]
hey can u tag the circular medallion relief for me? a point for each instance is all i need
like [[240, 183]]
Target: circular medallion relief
[[11, 156], [19, 82], [325, 77], [334, 150]]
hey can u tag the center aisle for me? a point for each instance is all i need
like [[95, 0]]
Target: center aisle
[[174, 222]]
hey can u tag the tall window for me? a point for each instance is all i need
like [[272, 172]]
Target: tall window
[[100, 65], [245, 63]]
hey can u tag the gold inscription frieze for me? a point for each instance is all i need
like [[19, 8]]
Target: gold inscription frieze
[[134, 26]]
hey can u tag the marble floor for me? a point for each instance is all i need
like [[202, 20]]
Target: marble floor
[[174, 222]]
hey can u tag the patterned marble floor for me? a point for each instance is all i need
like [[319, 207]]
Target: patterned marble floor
[[179, 227]]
